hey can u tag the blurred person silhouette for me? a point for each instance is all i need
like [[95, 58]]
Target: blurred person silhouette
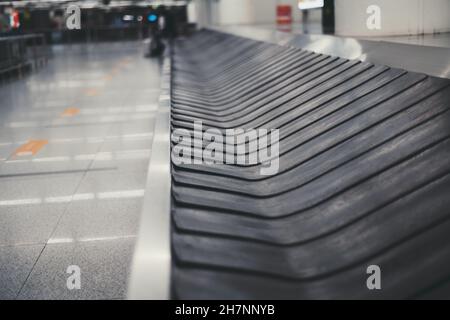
[[4, 21], [156, 25], [305, 21]]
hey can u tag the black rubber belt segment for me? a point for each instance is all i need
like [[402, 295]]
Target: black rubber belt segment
[[364, 176]]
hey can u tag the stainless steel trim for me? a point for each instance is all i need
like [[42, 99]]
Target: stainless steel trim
[[151, 267], [432, 61]]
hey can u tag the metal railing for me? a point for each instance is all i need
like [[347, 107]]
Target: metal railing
[[21, 53]]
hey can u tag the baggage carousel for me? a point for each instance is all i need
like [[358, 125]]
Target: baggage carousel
[[363, 178]]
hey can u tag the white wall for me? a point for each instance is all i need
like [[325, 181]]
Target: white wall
[[200, 13], [233, 11], [398, 17], [226, 12]]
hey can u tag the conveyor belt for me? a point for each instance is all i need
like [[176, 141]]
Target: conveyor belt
[[364, 176]]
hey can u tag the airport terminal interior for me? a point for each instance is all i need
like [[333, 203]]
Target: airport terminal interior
[[224, 149]]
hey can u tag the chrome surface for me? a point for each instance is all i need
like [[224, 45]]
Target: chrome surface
[[150, 275], [434, 61]]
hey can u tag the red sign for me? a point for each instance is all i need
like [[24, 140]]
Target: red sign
[[14, 20], [284, 14]]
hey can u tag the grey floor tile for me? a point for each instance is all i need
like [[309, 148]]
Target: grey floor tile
[[68, 150], [112, 181], [53, 157], [110, 205], [18, 187], [135, 127], [30, 206], [82, 193], [104, 267], [127, 145], [100, 218], [15, 265], [29, 224], [58, 164], [24, 134], [6, 151], [124, 161]]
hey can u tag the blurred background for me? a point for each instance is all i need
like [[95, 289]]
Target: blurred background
[[101, 20], [129, 19]]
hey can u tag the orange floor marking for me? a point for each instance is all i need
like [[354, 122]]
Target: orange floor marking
[[124, 62], [30, 148], [91, 92], [114, 72], [70, 112]]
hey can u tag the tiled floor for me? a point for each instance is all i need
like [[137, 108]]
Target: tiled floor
[[77, 200]]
